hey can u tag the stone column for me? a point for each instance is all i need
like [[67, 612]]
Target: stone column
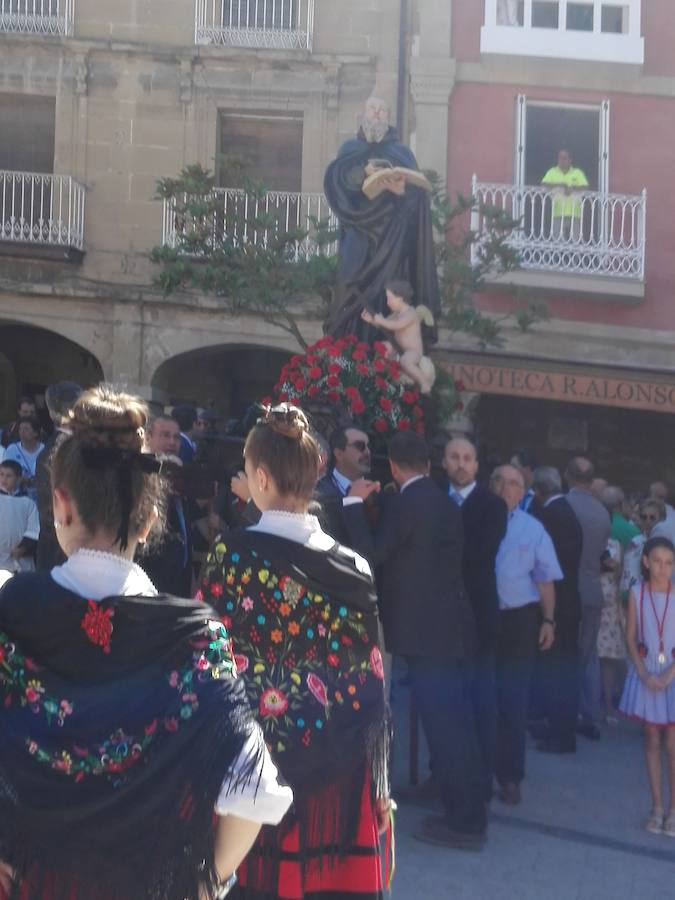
[[432, 78]]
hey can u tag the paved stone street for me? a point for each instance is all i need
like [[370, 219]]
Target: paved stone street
[[577, 835]]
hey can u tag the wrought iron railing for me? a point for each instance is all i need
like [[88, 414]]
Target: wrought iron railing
[[41, 209], [584, 232], [37, 16], [245, 218], [265, 24]]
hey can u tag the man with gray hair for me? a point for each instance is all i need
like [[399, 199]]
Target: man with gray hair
[[614, 500], [560, 667], [595, 527]]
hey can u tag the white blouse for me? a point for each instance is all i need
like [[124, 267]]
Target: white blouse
[[94, 574]]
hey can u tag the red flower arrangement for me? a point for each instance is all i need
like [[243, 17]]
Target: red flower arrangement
[[362, 379]]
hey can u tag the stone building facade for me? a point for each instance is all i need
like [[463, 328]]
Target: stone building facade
[[133, 91]]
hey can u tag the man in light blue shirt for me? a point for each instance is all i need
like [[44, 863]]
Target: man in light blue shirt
[[526, 568]]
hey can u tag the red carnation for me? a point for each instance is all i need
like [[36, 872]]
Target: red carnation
[[311, 359], [266, 401], [380, 425], [295, 360], [379, 365], [334, 352], [283, 396], [359, 356], [404, 425], [380, 383], [312, 391], [333, 397], [350, 339], [333, 381], [394, 369], [362, 369], [315, 373], [320, 345], [380, 348], [410, 397], [300, 384], [358, 407], [334, 369], [352, 393], [385, 404]]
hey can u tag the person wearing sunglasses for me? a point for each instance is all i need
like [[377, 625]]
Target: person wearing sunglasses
[[651, 514], [350, 450]]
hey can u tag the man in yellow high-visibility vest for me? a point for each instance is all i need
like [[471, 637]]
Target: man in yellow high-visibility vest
[[566, 180]]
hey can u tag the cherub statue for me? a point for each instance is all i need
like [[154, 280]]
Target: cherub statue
[[405, 324]]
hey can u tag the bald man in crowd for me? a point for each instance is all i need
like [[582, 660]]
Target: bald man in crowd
[[527, 567], [596, 525], [484, 520]]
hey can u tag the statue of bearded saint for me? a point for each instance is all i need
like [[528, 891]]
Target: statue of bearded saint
[[389, 237]]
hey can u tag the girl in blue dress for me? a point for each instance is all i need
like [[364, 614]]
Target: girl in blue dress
[[649, 692]]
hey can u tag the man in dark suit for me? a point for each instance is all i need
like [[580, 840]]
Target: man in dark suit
[[169, 565], [427, 618], [59, 400], [350, 451], [560, 667], [186, 416], [484, 518]]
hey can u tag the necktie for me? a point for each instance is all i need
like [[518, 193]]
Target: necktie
[[457, 497]]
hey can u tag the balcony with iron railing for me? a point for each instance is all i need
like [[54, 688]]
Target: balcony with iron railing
[[588, 242], [595, 30], [256, 24], [49, 17], [41, 214], [246, 218]]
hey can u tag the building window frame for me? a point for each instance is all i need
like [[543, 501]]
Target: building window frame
[[508, 30]]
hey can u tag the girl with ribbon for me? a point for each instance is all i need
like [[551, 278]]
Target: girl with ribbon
[[131, 767], [649, 691]]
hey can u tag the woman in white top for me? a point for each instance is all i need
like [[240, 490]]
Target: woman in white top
[[26, 450], [126, 733]]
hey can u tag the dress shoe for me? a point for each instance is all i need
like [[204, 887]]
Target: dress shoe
[[553, 745], [589, 730], [435, 830], [509, 794], [419, 793]]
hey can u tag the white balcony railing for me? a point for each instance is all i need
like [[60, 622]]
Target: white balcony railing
[[264, 24], [41, 209], [597, 30], [585, 233], [37, 16], [247, 219]]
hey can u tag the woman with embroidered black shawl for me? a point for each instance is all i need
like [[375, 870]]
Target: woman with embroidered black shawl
[[130, 766], [303, 617]]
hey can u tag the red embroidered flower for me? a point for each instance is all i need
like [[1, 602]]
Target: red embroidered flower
[[376, 664], [241, 663], [333, 660], [216, 589], [97, 625], [318, 688], [273, 702]]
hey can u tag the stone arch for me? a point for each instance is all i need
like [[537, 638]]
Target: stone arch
[[227, 377], [32, 357]]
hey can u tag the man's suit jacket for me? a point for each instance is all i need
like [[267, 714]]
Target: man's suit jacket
[[595, 528], [329, 497], [484, 516], [418, 543], [166, 564], [562, 525], [49, 552]]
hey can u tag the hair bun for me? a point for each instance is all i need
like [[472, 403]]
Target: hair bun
[[103, 417], [288, 421]]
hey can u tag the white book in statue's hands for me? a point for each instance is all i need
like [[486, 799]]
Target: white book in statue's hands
[[380, 180]]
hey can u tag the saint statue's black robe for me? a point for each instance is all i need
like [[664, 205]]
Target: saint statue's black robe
[[383, 239]]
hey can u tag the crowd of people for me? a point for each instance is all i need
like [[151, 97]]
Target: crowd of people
[[526, 600]]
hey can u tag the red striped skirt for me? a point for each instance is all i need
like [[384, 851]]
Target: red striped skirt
[[357, 875]]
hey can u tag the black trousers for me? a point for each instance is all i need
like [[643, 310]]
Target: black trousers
[[442, 690], [517, 649], [484, 702], [563, 669]]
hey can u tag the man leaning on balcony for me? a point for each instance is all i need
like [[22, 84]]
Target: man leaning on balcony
[[566, 179]]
